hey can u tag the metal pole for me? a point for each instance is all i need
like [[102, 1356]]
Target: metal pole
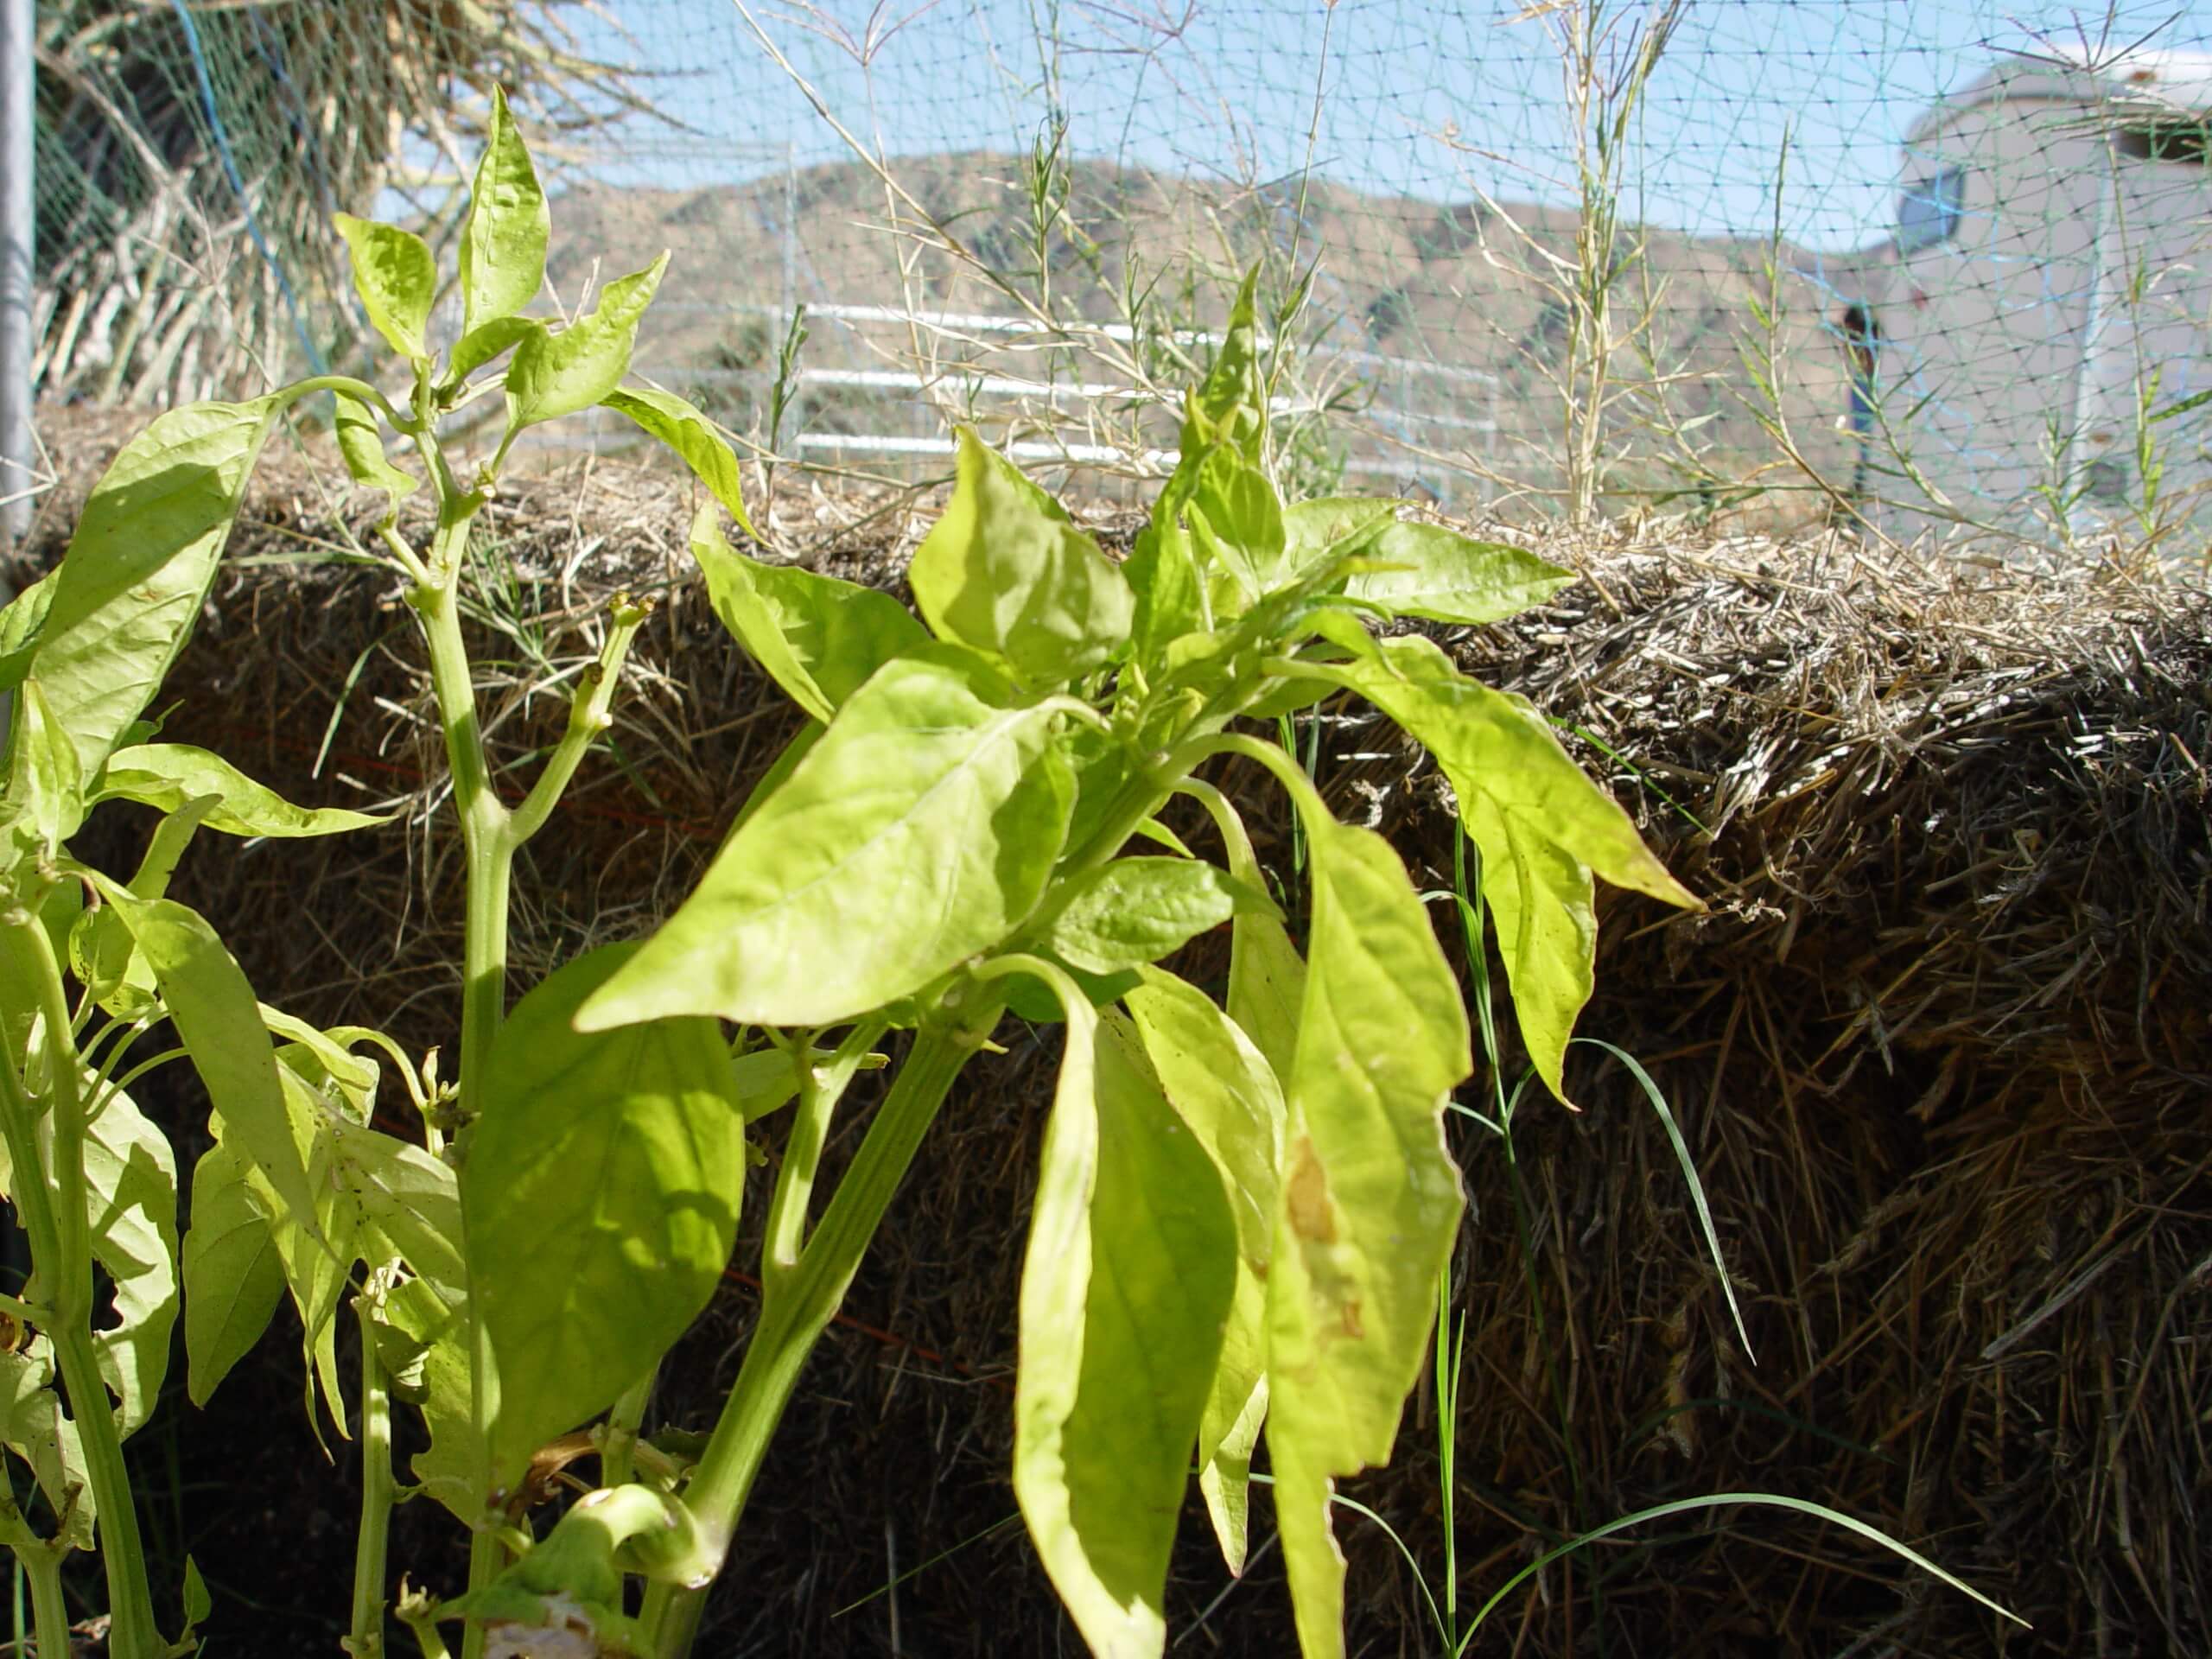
[[18, 227]]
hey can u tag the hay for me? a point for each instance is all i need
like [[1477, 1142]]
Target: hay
[[1940, 1048]]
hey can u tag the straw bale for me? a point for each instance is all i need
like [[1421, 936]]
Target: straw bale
[[1939, 1047]]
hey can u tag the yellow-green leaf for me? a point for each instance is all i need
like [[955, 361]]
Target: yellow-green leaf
[[692, 439], [397, 279], [1369, 1201], [233, 1278], [601, 1196], [167, 775], [919, 829], [1127, 1276], [818, 637], [1138, 910], [1427, 570], [503, 240], [138, 568], [557, 374], [1224, 1092], [1007, 571]]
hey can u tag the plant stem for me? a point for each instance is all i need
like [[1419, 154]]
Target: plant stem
[[798, 1306], [41, 1566], [485, 828], [369, 1550], [53, 1210], [617, 1450]]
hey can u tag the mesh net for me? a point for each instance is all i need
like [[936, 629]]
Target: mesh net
[[1934, 265]]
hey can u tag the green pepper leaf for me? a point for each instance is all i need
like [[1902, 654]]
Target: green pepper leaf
[[233, 1278], [1006, 570], [1127, 1276], [920, 829], [557, 374], [692, 436], [397, 279], [1224, 1090], [167, 775], [1138, 910], [127, 592], [45, 800], [1369, 1201], [503, 240], [481, 345], [817, 637], [601, 1192], [360, 445], [1542, 825], [34, 1427], [219, 1023], [1448, 577], [131, 1193]]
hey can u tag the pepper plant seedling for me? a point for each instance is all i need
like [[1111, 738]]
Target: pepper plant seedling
[[1242, 1204]]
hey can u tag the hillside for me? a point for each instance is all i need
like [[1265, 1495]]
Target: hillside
[[1409, 281]]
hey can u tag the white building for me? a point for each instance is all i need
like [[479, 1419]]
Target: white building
[[2046, 306]]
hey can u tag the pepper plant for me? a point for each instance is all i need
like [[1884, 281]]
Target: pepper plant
[[1244, 1202]]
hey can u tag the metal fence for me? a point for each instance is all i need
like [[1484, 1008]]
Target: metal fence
[[1926, 266]]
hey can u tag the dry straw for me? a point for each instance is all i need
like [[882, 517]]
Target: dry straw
[[1940, 1048]]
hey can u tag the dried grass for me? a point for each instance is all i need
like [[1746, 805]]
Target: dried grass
[[1940, 1046]]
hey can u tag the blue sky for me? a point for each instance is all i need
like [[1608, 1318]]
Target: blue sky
[[1224, 87]]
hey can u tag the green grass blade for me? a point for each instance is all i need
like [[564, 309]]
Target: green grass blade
[[1689, 1173], [1722, 1500]]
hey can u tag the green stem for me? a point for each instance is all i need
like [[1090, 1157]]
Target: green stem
[[484, 827], [588, 716], [618, 1447], [42, 1568], [369, 1550], [821, 1084], [54, 1212], [800, 1306]]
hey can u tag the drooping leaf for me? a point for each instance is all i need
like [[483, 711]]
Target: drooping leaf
[[219, 1023], [1138, 910], [397, 279], [316, 1250], [360, 445], [1448, 577], [233, 1278], [817, 637], [138, 568], [1542, 823], [1126, 1281], [36, 1429], [1543, 904], [918, 830], [1369, 1201], [601, 1194], [1224, 1092], [1006, 570], [557, 374], [503, 240], [131, 1193], [167, 775], [692, 436]]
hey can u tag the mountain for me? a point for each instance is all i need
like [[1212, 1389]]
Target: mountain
[[1433, 320]]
